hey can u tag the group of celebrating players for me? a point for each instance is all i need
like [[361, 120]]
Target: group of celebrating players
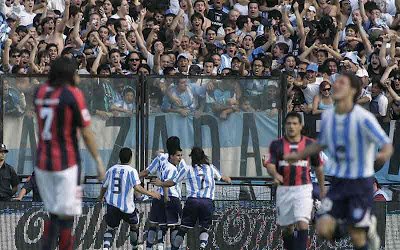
[[350, 136]]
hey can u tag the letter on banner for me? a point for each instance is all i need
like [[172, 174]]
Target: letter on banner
[[249, 127], [212, 123]]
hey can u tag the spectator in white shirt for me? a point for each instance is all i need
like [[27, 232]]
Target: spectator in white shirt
[[26, 15], [379, 103], [122, 8]]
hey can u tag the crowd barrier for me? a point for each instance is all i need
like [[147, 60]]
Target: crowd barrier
[[236, 225], [236, 143]]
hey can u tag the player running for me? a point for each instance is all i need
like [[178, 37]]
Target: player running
[[166, 212], [350, 135], [200, 185], [119, 185], [294, 193], [61, 111]]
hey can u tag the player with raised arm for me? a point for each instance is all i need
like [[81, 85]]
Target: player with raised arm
[[199, 206], [294, 201], [166, 212], [61, 112], [118, 189], [350, 135]]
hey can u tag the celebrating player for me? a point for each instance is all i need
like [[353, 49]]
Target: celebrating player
[[119, 185], [199, 205], [61, 111], [350, 134], [294, 194], [167, 211]]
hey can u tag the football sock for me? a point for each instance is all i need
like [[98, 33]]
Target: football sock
[[50, 234], [66, 238], [301, 239]]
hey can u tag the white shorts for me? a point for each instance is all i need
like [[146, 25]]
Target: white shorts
[[293, 204], [60, 191]]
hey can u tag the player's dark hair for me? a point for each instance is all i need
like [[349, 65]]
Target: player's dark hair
[[62, 72], [293, 115], [198, 157], [355, 83], [125, 155]]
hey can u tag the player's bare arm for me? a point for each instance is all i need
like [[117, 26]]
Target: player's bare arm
[[313, 149], [143, 173], [319, 172], [226, 179], [271, 169], [90, 143], [165, 190], [159, 183], [102, 192], [141, 190], [384, 154]]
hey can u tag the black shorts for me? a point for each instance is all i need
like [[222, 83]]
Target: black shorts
[[114, 216], [166, 213], [198, 209], [350, 200]]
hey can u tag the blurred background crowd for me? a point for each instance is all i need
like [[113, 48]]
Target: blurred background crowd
[[307, 42]]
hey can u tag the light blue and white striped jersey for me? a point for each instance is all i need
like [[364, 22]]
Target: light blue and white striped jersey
[[200, 180], [169, 172], [352, 141], [120, 182], [162, 168]]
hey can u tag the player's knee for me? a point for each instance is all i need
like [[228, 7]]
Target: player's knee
[[358, 236], [326, 227], [302, 225]]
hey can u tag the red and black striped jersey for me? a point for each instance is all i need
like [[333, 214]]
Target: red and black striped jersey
[[60, 112], [299, 172]]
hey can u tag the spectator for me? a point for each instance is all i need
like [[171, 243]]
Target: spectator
[[379, 103], [323, 100], [9, 179], [30, 185], [379, 194], [127, 106], [309, 85], [226, 97], [182, 98]]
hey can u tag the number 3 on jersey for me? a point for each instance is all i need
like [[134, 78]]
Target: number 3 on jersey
[[47, 115]]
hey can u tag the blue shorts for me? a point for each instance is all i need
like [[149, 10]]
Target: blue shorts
[[114, 216], [198, 209], [350, 200], [166, 214]]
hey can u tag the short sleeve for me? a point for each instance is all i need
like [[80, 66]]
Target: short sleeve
[[135, 178], [107, 179], [152, 168], [181, 174], [273, 153], [217, 174], [374, 131]]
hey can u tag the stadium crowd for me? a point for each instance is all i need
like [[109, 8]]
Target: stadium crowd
[[310, 41]]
